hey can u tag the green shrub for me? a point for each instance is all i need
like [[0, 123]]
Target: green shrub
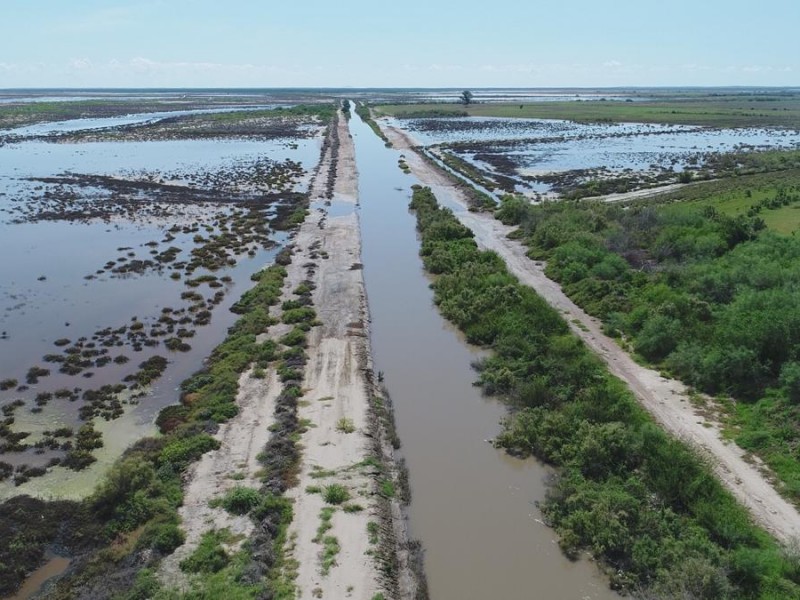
[[299, 315], [240, 500], [164, 537], [210, 556], [183, 451]]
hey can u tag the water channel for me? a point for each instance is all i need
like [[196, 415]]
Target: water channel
[[473, 507]]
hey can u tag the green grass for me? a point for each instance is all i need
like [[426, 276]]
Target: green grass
[[345, 425], [330, 550], [718, 112], [387, 489], [373, 531], [239, 500], [209, 556], [784, 220], [335, 493], [735, 195], [325, 525]]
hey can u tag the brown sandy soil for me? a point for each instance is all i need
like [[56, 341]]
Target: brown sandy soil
[[666, 399]]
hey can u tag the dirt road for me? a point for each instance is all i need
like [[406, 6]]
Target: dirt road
[[335, 402], [666, 399], [334, 549]]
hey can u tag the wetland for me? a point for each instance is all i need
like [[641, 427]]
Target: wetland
[[188, 348]]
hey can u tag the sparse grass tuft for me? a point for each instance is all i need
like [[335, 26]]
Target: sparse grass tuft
[[345, 425], [336, 493]]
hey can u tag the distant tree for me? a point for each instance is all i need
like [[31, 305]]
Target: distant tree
[[466, 97]]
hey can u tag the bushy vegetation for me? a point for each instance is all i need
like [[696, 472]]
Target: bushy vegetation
[[240, 500], [362, 110], [639, 501], [708, 294], [335, 493]]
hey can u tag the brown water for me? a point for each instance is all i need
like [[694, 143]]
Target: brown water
[[473, 507], [33, 584]]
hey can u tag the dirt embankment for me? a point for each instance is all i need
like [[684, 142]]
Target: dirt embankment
[[347, 529], [666, 399], [341, 548]]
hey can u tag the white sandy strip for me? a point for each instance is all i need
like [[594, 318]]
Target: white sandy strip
[[335, 389], [666, 399], [241, 439]]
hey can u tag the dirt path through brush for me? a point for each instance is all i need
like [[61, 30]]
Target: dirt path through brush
[[666, 399], [234, 463]]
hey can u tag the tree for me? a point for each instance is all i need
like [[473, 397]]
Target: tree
[[466, 97]]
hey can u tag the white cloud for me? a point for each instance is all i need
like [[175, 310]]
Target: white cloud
[[81, 64]]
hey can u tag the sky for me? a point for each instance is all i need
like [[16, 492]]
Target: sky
[[407, 43]]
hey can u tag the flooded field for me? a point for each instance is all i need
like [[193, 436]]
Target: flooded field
[[122, 260], [537, 156]]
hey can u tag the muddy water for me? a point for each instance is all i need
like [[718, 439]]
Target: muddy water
[[50, 287], [473, 507], [33, 584]]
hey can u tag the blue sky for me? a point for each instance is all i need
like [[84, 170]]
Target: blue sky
[[409, 43]]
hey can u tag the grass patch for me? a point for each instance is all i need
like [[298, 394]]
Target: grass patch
[[325, 525], [345, 425], [373, 531], [330, 550], [335, 493], [717, 111], [386, 488], [320, 473], [210, 556], [239, 500]]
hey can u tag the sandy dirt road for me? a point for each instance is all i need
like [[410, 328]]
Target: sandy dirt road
[[235, 463], [666, 399], [335, 404], [339, 441]]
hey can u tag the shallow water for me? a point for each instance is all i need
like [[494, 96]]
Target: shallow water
[[52, 285], [541, 146], [473, 507], [73, 125], [33, 584]]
